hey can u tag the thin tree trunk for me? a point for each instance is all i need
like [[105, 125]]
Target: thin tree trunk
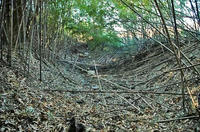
[[45, 29], [198, 17], [195, 15], [179, 55], [24, 31], [18, 36], [30, 48], [40, 31], [11, 37], [1, 27]]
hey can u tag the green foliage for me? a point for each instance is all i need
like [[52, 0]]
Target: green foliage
[[101, 37], [85, 19], [95, 21]]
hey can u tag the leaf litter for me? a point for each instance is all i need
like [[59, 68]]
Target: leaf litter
[[30, 105]]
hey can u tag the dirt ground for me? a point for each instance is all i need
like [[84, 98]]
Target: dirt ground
[[102, 91]]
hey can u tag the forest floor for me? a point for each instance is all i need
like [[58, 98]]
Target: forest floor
[[102, 91]]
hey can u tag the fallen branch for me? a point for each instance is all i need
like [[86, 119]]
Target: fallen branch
[[191, 80], [177, 119], [187, 67], [116, 92]]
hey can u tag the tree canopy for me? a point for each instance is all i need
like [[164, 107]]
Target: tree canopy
[[109, 21]]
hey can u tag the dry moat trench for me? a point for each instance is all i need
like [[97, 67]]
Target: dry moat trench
[[103, 92]]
